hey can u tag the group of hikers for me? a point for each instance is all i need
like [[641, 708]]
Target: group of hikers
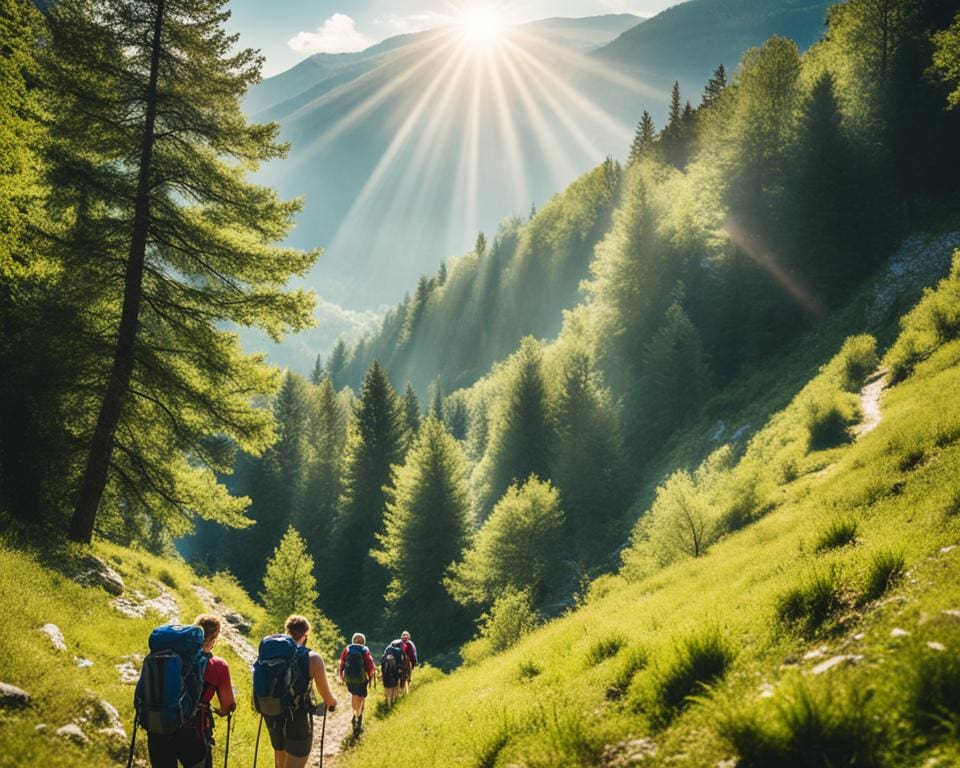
[[180, 678]]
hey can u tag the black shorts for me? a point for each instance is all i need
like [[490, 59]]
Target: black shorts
[[187, 748], [293, 735], [358, 689]]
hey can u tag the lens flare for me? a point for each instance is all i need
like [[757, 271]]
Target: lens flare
[[482, 26]]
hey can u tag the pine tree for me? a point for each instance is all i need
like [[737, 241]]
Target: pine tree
[[288, 582], [715, 86], [644, 138], [522, 440], [480, 247], [375, 442], [411, 408], [442, 275], [519, 547], [336, 363], [425, 531], [675, 137], [589, 469], [317, 373], [457, 417], [146, 97], [436, 403]]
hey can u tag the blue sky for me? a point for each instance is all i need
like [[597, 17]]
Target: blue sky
[[287, 31]]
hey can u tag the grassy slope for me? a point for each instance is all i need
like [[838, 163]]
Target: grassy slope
[[901, 484], [33, 593]]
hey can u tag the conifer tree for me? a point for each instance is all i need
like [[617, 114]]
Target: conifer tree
[[457, 417], [519, 547], [411, 408], [336, 363], [643, 139], [436, 404], [425, 531], [590, 470], [522, 441], [480, 247], [146, 97], [715, 86], [288, 582], [946, 59], [375, 442], [317, 373], [442, 275], [675, 136]]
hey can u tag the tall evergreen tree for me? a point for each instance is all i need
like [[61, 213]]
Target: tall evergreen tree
[[643, 139], [715, 86], [411, 409], [151, 91], [522, 441], [425, 531], [480, 247], [317, 372], [288, 582], [375, 442], [676, 135], [336, 363], [436, 404]]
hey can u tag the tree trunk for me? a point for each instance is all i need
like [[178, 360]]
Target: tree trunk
[[101, 446]]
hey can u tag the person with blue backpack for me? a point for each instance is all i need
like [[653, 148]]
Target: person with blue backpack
[[357, 670], [282, 693], [394, 665], [174, 695]]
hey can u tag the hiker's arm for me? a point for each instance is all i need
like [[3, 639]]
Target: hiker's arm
[[343, 656], [225, 697], [371, 667], [319, 674]]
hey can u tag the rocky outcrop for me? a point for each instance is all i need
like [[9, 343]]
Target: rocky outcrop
[[52, 631], [73, 732], [12, 697], [244, 627], [95, 572]]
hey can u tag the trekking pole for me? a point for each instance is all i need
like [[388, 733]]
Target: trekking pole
[[226, 751], [133, 741], [256, 747], [323, 731]]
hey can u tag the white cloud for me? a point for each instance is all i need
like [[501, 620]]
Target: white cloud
[[338, 34], [414, 22]]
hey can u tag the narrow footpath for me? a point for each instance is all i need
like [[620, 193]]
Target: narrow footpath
[[870, 403], [338, 723]]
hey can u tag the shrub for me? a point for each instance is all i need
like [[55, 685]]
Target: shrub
[[859, 359], [631, 662], [838, 534], [828, 418], [933, 691], [167, 578], [605, 648], [802, 727], [885, 569], [697, 661], [810, 604], [508, 621], [528, 670]]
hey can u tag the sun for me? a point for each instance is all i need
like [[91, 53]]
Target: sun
[[481, 26]]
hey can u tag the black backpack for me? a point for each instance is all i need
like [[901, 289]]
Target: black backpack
[[391, 666], [354, 670]]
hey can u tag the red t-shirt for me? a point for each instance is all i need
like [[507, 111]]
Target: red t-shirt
[[216, 680]]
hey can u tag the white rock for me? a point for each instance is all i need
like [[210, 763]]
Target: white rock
[[934, 645], [97, 573], [129, 669], [40, 727], [897, 632], [816, 653], [766, 691], [836, 661], [952, 613], [860, 636], [105, 714], [82, 663], [117, 734], [12, 697], [53, 632], [72, 732], [947, 550]]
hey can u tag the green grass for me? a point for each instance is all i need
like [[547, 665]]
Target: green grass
[[890, 706], [836, 535]]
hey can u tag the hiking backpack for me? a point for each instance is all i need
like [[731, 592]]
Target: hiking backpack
[[354, 669], [171, 679], [279, 679], [391, 666]]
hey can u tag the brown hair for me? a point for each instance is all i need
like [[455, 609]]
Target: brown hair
[[297, 626], [210, 624]]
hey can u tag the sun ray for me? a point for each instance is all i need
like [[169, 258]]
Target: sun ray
[[508, 132]]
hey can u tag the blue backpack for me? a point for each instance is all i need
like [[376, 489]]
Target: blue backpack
[[171, 679], [281, 677]]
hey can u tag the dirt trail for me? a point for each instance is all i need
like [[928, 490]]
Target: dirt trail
[[870, 403], [338, 722]]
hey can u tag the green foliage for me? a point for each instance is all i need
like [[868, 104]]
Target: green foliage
[[805, 725], [886, 568], [935, 320], [629, 663], [946, 59], [809, 604], [838, 534], [518, 548], [165, 577], [933, 690], [424, 531], [289, 586], [605, 648]]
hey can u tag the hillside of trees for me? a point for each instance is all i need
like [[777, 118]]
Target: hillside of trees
[[506, 473]]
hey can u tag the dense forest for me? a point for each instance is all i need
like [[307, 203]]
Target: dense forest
[[480, 456]]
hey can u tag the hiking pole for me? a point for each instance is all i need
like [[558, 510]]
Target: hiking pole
[[323, 731], [256, 747], [133, 741], [226, 751]]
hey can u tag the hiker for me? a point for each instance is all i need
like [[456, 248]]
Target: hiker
[[410, 651], [190, 745], [291, 723], [394, 665], [357, 670]]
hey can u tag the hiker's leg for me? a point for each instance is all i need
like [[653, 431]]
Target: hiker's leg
[[279, 758], [162, 750], [356, 704], [296, 762]]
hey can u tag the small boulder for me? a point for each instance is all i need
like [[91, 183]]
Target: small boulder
[[836, 661], [97, 573], [73, 732], [952, 613], [82, 663], [129, 669], [53, 632], [896, 632], [12, 697], [101, 712], [243, 626], [935, 645]]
